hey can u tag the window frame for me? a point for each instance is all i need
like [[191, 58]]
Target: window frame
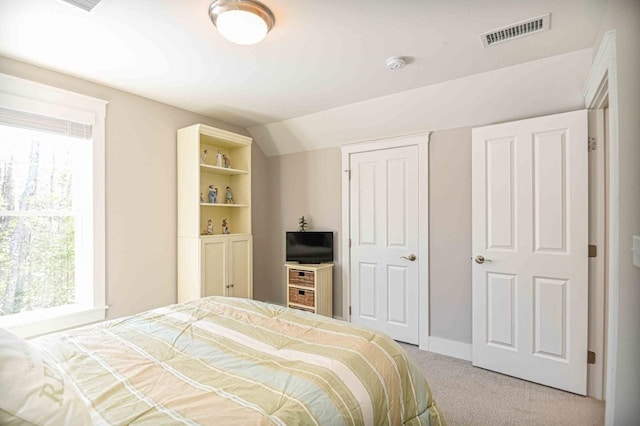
[[38, 98]]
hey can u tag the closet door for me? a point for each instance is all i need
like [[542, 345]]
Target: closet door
[[385, 261]]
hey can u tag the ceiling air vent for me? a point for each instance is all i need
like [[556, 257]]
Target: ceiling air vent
[[517, 30], [83, 4]]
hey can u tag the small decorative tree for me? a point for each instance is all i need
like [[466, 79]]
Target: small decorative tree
[[302, 222]]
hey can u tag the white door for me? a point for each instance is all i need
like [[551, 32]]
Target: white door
[[384, 241], [530, 224]]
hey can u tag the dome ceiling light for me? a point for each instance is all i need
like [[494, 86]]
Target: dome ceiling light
[[243, 22]]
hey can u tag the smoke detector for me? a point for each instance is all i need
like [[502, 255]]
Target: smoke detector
[[396, 63], [519, 29]]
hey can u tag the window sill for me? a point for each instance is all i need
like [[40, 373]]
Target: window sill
[[30, 324]]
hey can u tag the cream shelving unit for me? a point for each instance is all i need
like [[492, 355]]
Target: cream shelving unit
[[310, 287], [216, 264]]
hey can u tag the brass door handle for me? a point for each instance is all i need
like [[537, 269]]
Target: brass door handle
[[480, 259], [411, 257]]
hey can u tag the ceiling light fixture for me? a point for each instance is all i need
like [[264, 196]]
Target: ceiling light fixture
[[243, 22]]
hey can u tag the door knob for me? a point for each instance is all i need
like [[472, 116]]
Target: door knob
[[480, 259], [411, 257]]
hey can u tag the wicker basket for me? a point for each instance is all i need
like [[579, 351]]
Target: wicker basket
[[303, 309], [301, 297], [301, 278]]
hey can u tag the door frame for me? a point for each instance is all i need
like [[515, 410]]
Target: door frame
[[422, 141], [597, 266], [602, 83]]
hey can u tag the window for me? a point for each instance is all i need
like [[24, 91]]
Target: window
[[51, 208]]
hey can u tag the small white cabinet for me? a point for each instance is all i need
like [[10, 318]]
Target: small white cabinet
[[226, 268], [310, 287]]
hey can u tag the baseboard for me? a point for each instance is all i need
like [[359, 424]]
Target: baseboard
[[450, 348]]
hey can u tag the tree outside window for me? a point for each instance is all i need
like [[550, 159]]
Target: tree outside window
[[38, 216]]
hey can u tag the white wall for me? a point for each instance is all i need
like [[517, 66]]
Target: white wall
[[624, 17], [140, 189], [450, 234], [261, 207], [303, 184]]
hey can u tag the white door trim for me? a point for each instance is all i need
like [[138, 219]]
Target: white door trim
[[603, 80], [423, 223]]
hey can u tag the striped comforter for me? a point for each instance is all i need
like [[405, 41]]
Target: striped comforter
[[235, 361]]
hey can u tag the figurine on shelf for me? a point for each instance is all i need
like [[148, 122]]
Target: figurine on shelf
[[228, 196], [209, 230], [213, 194], [219, 159], [203, 157], [227, 161], [201, 198], [225, 227]]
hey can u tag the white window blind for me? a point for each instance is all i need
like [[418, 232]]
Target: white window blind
[[59, 126]]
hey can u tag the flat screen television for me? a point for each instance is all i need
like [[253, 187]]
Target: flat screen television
[[309, 247]]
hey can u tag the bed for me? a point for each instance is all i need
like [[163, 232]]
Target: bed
[[213, 361]]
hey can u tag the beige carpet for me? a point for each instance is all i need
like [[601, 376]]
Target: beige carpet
[[468, 395]]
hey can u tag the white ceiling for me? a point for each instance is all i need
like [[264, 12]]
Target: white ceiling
[[320, 54], [541, 87]]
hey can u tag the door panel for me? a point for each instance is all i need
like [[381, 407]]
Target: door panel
[[366, 172], [550, 191], [384, 226], [550, 313], [396, 200], [501, 310], [214, 267], [240, 273], [530, 222], [398, 295], [500, 204], [367, 287]]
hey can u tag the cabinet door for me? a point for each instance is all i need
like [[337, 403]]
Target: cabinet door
[[214, 267], [240, 267]]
